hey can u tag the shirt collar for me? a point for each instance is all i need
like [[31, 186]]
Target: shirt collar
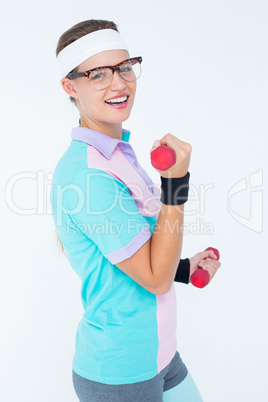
[[105, 144]]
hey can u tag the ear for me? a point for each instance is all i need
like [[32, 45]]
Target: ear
[[68, 87]]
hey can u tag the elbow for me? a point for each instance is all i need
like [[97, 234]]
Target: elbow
[[161, 290], [164, 291]]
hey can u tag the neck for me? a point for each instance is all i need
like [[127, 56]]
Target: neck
[[112, 130]]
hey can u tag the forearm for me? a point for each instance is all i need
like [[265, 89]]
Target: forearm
[[166, 245]]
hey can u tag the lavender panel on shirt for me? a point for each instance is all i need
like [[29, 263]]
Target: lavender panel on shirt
[[134, 245]]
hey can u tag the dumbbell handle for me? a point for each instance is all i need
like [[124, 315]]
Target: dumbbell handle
[[200, 277]]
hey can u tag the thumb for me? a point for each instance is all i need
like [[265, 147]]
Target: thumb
[[156, 144]]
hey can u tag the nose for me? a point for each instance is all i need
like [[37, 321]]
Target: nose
[[118, 83]]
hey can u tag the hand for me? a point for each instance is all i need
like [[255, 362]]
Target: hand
[[183, 153], [206, 260]]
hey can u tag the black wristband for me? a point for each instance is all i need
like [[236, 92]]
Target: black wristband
[[183, 271], [174, 190]]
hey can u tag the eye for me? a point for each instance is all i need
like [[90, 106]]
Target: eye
[[98, 75], [126, 68]]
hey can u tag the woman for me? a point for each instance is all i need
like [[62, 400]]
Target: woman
[[115, 231]]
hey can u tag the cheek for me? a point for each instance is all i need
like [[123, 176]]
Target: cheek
[[89, 102], [134, 87], [84, 91]]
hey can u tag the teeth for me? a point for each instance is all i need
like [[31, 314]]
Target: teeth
[[117, 100]]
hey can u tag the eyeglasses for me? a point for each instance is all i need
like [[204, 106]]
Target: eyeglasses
[[101, 77]]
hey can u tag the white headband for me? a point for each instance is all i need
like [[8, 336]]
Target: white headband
[[83, 48]]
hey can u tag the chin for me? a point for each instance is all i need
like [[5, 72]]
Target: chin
[[120, 118]]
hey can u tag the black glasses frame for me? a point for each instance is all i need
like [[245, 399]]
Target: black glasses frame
[[113, 68]]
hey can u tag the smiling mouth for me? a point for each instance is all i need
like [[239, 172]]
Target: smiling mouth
[[117, 101]]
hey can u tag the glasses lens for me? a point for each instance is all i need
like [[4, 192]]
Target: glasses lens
[[131, 70], [100, 79]]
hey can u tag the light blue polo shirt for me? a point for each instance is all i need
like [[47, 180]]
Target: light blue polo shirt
[[105, 207]]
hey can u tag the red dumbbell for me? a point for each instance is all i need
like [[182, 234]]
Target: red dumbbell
[[163, 157], [200, 278]]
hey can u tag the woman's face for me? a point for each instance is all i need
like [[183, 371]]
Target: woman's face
[[92, 103]]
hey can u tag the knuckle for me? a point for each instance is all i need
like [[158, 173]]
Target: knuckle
[[168, 136], [183, 153], [189, 147]]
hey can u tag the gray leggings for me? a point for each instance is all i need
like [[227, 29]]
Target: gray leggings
[[144, 391]]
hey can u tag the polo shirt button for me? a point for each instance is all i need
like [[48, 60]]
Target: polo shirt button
[[136, 164]]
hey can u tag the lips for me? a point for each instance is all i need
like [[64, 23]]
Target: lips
[[118, 102]]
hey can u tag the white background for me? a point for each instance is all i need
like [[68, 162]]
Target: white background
[[204, 80]]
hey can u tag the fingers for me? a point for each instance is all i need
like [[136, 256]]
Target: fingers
[[173, 142], [207, 254], [206, 260], [182, 152], [210, 265]]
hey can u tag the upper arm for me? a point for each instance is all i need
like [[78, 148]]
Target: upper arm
[[103, 209], [138, 267]]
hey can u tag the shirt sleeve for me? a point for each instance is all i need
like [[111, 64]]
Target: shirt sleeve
[[101, 207]]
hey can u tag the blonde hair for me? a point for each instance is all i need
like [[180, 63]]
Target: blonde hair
[[60, 245]]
